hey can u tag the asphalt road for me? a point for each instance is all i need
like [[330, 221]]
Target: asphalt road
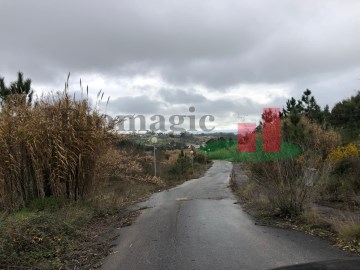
[[198, 226]]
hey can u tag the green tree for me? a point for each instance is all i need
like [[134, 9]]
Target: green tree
[[326, 116], [313, 111], [306, 106], [20, 89], [346, 117], [182, 165]]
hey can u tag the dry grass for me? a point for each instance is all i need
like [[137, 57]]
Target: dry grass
[[316, 220], [341, 227], [52, 148], [342, 231], [347, 226], [282, 185], [349, 230]]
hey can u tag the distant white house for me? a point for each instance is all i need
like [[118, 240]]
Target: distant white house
[[190, 145]]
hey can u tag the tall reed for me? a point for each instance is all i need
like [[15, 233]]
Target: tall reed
[[51, 148]]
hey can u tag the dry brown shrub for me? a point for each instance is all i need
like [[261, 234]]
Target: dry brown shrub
[[282, 185], [314, 138], [126, 164]]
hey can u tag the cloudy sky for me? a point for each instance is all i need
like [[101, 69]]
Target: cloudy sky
[[227, 58]]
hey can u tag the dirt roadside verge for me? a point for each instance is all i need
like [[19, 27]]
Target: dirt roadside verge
[[330, 222]]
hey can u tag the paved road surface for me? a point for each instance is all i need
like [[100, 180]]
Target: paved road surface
[[198, 226]]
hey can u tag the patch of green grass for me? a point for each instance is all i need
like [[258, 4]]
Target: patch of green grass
[[23, 214], [47, 203], [225, 151]]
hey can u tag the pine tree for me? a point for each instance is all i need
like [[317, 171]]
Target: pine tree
[[20, 88], [346, 116], [295, 109], [306, 106]]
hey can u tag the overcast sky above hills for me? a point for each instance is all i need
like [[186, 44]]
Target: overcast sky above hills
[[228, 58]]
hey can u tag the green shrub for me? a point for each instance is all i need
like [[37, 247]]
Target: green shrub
[[182, 165]]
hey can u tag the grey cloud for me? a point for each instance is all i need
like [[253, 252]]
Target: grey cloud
[[178, 96], [329, 90], [134, 105], [204, 105], [218, 44], [223, 107]]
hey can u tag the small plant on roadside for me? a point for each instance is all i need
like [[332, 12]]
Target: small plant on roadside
[[283, 186], [182, 165]]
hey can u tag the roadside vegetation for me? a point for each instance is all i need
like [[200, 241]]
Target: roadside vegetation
[[317, 191], [227, 149], [67, 178]]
